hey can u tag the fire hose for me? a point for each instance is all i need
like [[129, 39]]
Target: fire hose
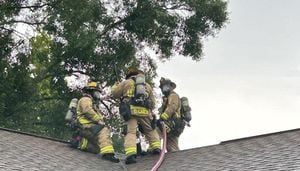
[[162, 152]]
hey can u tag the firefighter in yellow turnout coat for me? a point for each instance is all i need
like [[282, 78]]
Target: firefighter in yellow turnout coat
[[96, 135], [139, 114], [170, 113]]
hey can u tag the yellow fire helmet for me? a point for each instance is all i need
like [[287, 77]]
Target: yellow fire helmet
[[91, 86]]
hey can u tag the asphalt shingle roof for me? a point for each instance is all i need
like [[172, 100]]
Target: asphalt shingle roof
[[271, 152]]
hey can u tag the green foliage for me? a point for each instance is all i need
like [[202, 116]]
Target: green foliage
[[96, 38], [118, 143]]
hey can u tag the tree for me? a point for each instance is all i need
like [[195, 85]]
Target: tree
[[97, 38]]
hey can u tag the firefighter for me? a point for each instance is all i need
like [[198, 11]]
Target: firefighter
[[96, 136], [137, 103], [170, 113]]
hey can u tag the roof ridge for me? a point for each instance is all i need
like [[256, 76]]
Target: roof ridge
[[258, 136], [241, 139], [33, 135]]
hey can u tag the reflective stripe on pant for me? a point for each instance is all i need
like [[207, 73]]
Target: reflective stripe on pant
[[130, 151], [107, 149], [101, 141], [155, 145], [105, 141], [83, 144], [130, 137], [88, 146], [150, 134]]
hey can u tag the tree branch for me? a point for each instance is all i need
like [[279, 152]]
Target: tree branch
[[9, 30], [30, 6], [179, 7], [108, 109], [73, 72], [113, 25], [22, 21], [13, 30]]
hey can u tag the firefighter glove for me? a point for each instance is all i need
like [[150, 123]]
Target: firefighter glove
[[168, 129]]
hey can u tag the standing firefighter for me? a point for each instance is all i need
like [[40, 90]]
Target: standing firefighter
[[137, 102], [170, 113], [96, 136]]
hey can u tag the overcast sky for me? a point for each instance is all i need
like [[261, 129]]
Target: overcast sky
[[249, 80]]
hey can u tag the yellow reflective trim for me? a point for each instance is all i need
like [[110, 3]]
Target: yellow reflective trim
[[130, 92], [97, 117], [92, 84], [154, 145], [142, 111], [83, 120], [130, 150], [107, 149], [164, 116], [84, 143]]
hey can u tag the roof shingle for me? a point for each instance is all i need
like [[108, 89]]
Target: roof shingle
[[279, 151]]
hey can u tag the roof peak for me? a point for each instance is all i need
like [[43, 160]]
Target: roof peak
[[259, 136]]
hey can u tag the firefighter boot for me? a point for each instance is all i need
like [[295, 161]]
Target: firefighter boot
[[131, 159], [156, 151], [110, 157]]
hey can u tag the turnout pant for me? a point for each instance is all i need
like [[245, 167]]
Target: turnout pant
[[96, 143], [172, 141], [150, 134]]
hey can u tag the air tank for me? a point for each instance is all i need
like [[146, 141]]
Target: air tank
[[71, 110]]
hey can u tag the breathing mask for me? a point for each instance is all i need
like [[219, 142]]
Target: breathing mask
[[166, 89], [96, 95]]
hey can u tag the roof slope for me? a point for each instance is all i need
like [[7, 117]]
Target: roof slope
[[278, 151], [23, 152]]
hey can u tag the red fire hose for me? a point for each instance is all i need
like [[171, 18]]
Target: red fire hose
[[162, 153]]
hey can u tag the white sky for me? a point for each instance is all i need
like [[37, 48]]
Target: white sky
[[249, 80]]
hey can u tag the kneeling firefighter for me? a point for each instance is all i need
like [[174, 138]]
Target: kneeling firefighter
[[96, 136], [137, 103], [170, 113]]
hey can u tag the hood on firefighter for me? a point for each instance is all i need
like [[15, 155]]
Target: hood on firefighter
[[165, 81]]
